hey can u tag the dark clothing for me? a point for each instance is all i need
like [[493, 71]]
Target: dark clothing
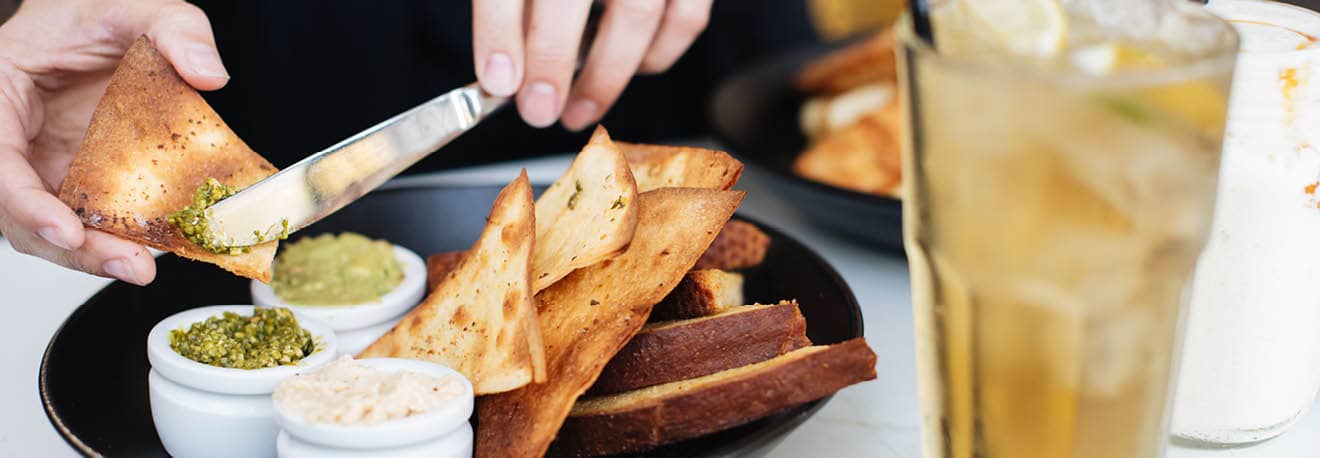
[[308, 73]]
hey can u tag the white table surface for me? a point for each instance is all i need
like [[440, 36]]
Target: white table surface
[[873, 419]]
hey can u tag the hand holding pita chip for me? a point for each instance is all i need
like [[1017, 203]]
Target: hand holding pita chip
[[55, 61]]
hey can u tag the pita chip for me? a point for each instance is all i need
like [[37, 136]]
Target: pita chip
[[590, 314], [439, 265], [480, 320], [587, 215], [152, 142], [662, 166]]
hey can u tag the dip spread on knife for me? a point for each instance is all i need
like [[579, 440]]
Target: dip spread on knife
[[270, 337], [328, 269], [191, 220]]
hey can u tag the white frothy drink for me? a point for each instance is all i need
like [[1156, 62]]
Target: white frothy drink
[[1252, 352]]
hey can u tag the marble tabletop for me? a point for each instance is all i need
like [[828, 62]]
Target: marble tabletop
[[872, 419]]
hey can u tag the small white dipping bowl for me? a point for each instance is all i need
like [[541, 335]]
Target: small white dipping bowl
[[441, 432], [206, 411], [358, 325]]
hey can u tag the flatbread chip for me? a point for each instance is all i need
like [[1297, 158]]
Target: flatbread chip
[[586, 216], [481, 320], [663, 166], [855, 65], [438, 266], [152, 142], [590, 314], [864, 157]]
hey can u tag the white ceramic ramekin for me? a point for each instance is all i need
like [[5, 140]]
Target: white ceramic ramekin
[[206, 411], [359, 325], [442, 432]]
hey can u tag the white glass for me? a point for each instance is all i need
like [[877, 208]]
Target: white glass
[[1252, 351]]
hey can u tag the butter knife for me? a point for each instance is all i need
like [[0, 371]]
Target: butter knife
[[326, 181]]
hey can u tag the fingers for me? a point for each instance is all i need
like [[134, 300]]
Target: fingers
[[683, 22], [553, 37], [183, 35], [37, 223], [102, 254], [622, 40], [27, 207], [497, 38]]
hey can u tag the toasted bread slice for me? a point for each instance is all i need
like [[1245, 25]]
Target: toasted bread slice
[[481, 320], [438, 266], [662, 166], [590, 314], [867, 61], [152, 142], [643, 419], [701, 293], [740, 245], [679, 350], [587, 215], [864, 157]]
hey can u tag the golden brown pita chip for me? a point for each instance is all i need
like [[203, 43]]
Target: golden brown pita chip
[[152, 141], [866, 61], [590, 314], [587, 215], [481, 320], [864, 157], [438, 266], [662, 166]]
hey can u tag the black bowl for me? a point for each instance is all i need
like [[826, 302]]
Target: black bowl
[[93, 378], [755, 113]]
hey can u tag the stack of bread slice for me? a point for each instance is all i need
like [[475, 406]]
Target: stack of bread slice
[[705, 363]]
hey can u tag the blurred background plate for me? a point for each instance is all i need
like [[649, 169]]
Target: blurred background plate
[[93, 377], [755, 114]]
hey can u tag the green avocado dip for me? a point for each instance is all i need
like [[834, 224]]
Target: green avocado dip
[[270, 337], [328, 269], [191, 220]]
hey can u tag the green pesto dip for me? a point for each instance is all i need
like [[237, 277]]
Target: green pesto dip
[[191, 220], [346, 269], [270, 337]]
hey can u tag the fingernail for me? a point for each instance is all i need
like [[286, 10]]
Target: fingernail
[[52, 236], [499, 74], [206, 62], [120, 269], [538, 104], [579, 113]]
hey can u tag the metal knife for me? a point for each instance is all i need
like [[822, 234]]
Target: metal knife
[[326, 181]]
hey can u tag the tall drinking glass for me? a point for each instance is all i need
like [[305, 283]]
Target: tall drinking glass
[[1057, 204], [1251, 361]]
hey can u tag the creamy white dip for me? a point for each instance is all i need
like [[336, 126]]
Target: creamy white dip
[[349, 393]]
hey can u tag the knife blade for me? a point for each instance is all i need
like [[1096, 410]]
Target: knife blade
[[326, 181]]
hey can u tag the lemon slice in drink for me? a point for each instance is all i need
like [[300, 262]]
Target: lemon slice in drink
[[1036, 28], [1103, 59]]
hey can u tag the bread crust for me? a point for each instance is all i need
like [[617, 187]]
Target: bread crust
[[701, 293], [680, 350], [643, 419], [740, 245]]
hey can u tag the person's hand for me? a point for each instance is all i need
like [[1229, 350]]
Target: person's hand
[[531, 47], [56, 57]]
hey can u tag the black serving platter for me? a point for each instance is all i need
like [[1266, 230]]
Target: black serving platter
[[755, 113], [93, 378]]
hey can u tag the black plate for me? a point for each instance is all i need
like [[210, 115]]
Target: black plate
[[93, 378], [755, 113]]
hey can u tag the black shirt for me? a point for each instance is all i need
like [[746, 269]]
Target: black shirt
[[308, 73]]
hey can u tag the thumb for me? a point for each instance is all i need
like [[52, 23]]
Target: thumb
[[183, 35]]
